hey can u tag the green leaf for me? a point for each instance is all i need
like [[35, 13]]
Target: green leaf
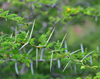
[[43, 39], [5, 13], [63, 49], [1, 62], [14, 51], [65, 59], [82, 67], [10, 16], [21, 37], [49, 45], [57, 45], [27, 61], [17, 19], [17, 56], [79, 78], [1, 10], [16, 45], [5, 44], [98, 74], [28, 64], [32, 41], [96, 77]]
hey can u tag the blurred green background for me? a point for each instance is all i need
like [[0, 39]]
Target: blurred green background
[[81, 29]]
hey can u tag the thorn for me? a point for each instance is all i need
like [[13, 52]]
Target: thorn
[[66, 46], [16, 69]]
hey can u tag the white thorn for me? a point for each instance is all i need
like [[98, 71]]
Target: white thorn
[[66, 65], [96, 18], [82, 48], [31, 31], [16, 68], [75, 67], [32, 71], [63, 41], [15, 33], [29, 36], [36, 57], [97, 48], [23, 45], [75, 51], [29, 51], [53, 5], [11, 35], [51, 61], [50, 35], [66, 46], [91, 60], [41, 53], [58, 63]]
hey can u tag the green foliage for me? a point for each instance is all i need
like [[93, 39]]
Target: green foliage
[[15, 47], [22, 37], [47, 1], [4, 14], [1, 10], [82, 67], [27, 61], [42, 40], [57, 45], [32, 41], [13, 17], [65, 59], [97, 75], [50, 45], [70, 11]]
